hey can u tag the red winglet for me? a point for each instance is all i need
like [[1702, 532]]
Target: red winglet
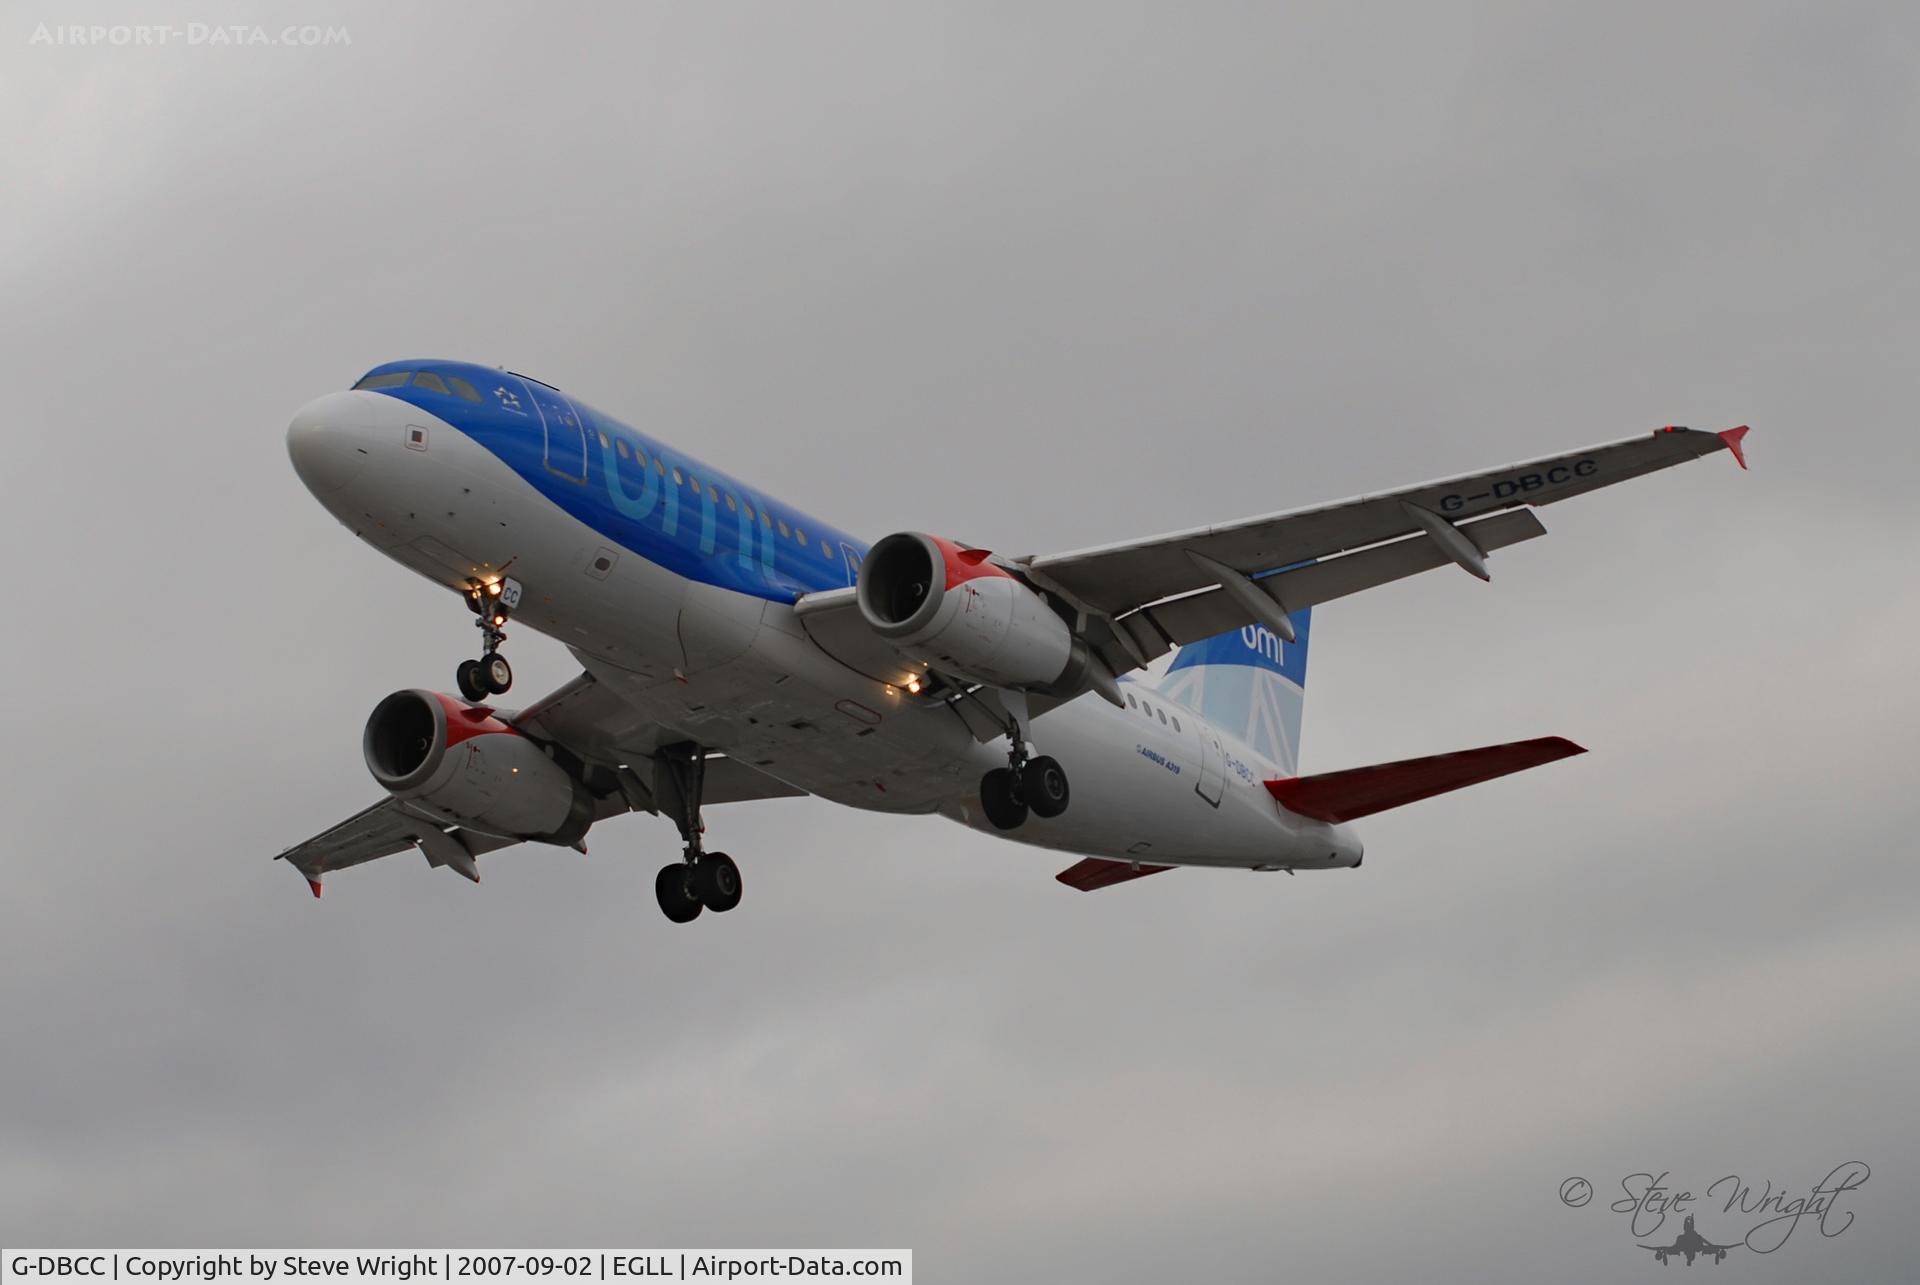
[[1096, 872], [1362, 791], [315, 885], [1732, 438]]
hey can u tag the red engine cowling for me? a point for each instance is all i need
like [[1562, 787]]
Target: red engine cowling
[[964, 614], [456, 761]]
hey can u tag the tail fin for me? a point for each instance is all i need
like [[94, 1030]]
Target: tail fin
[[1249, 683]]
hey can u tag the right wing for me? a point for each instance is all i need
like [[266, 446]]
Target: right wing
[[585, 718]]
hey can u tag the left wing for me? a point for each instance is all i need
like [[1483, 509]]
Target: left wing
[[1331, 550], [1131, 603]]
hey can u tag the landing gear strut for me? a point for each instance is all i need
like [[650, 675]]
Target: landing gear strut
[[701, 880], [491, 603], [1025, 785]]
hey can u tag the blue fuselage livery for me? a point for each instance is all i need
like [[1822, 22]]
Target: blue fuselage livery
[[636, 491]]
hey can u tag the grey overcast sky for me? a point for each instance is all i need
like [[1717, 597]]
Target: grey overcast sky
[[1035, 276]]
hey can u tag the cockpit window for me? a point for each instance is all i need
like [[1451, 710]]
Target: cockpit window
[[427, 379], [386, 379], [463, 388]]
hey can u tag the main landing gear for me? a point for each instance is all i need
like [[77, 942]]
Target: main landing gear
[[1025, 785], [701, 880], [492, 603]]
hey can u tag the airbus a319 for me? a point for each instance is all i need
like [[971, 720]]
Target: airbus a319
[[734, 647]]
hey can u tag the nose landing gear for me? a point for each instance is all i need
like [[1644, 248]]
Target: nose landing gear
[[491, 675]]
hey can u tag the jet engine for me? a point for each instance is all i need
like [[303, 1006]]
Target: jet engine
[[454, 761], [965, 615]]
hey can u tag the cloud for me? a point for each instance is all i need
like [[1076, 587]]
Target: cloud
[[1036, 279]]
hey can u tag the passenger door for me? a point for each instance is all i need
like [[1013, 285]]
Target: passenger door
[[565, 427], [1212, 766]]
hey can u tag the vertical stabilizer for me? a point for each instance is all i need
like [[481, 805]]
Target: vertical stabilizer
[[1249, 683]]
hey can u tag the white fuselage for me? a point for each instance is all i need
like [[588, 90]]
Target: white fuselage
[[738, 673]]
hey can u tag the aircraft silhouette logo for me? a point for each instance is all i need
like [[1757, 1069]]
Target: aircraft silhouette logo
[[1690, 1244]]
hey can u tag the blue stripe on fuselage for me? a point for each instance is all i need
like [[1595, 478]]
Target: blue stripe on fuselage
[[641, 508]]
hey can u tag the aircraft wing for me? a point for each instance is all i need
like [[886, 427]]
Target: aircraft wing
[[1133, 602], [1171, 589], [584, 718]]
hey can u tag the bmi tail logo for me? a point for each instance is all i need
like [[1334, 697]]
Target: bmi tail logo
[[1250, 683]]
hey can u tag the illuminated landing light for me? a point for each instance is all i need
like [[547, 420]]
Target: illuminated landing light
[[494, 589], [913, 684]]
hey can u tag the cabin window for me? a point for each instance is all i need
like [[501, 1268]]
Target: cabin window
[[1176, 722], [606, 444], [783, 528], [766, 519], [659, 466], [1131, 703], [732, 507], [747, 509], [620, 444], [463, 389], [427, 379], [713, 493], [392, 379], [677, 479], [826, 550], [799, 535], [1162, 713]]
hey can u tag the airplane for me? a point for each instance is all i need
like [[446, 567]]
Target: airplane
[[735, 648], [1691, 1244]]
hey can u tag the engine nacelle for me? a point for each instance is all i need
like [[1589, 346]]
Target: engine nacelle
[[964, 614], [449, 759]]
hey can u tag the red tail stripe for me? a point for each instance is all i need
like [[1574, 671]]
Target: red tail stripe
[[1362, 791]]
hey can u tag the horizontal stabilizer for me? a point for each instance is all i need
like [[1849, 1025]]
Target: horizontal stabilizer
[[1362, 791], [1096, 873]]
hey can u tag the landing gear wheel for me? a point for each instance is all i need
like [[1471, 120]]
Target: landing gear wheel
[[673, 889], [1001, 800], [496, 673], [1043, 784], [473, 685], [716, 881]]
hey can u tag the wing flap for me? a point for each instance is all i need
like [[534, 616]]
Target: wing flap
[[1202, 615], [1362, 791]]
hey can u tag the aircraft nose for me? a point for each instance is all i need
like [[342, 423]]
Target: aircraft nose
[[326, 441]]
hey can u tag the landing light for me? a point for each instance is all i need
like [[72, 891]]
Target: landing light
[[913, 685], [494, 588], [499, 620]]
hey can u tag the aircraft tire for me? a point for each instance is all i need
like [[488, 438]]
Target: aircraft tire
[[673, 889], [716, 881], [1043, 784], [496, 673], [1000, 799], [473, 685]]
